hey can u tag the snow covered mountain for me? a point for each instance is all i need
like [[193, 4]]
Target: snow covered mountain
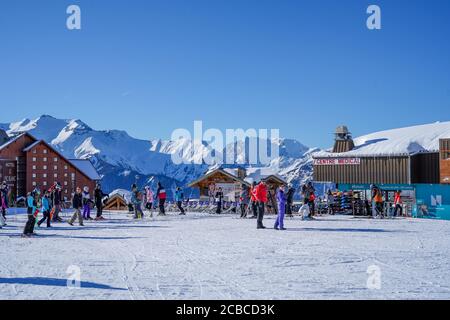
[[119, 158]]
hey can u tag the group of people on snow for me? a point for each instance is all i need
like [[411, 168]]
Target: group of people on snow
[[253, 199], [49, 203], [145, 199], [258, 197]]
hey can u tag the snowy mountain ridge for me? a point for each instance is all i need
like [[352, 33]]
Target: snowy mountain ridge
[[119, 158]]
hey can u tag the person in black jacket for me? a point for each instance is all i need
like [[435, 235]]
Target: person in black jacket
[[56, 201], [77, 203], [219, 199], [98, 197], [289, 201]]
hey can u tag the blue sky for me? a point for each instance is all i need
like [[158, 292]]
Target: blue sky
[[149, 67]]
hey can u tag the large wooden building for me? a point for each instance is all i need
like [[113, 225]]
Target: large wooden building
[[27, 162], [350, 164]]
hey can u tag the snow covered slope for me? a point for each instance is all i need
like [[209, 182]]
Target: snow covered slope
[[120, 157], [201, 256], [409, 140]]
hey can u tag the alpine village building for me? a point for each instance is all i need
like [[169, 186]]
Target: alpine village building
[[27, 162]]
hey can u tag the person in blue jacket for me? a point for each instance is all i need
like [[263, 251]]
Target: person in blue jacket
[[45, 210], [28, 231], [179, 197], [281, 199]]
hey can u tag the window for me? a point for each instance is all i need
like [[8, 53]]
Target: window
[[45, 151], [44, 175], [34, 183], [55, 167], [34, 151], [65, 191], [34, 167], [44, 159], [73, 176], [55, 159], [44, 167], [34, 159], [65, 183], [44, 183], [66, 167], [34, 175], [55, 175], [65, 175]]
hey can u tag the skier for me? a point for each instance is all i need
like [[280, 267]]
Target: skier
[[290, 201], [32, 205], [98, 198], [179, 196], [281, 199], [4, 198], [330, 202], [261, 198], [244, 200], [77, 203], [86, 204], [162, 196], [219, 200], [45, 210], [136, 200], [398, 203], [2, 218], [254, 202]]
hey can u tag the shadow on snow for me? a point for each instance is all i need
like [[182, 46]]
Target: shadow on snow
[[54, 282]]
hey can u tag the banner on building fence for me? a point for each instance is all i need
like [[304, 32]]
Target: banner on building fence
[[337, 161]]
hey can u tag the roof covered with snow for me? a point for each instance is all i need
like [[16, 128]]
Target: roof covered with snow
[[402, 141], [86, 167]]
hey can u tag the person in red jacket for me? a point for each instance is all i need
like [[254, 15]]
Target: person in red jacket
[[261, 198], [162, 196], [398, 203]]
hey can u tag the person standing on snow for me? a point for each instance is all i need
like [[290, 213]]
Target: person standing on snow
[[31, 208], [45, 210], [148, 198], [77, 204], [261, 198], [179, 197], [162, 196], [377, 202], [398, 203], [282, 200], [254, 202], [56, 201], [244, 200], [289, 201], [4, 198], [136, 200], [330, 202], [219, 200], [86, 204], [98, 198]]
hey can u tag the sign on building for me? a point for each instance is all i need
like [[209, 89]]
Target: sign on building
[[337, 161]]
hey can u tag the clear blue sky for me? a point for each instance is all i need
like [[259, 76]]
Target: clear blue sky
[[151, 66]]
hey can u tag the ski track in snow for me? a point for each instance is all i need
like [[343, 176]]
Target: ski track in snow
[[203, 256]]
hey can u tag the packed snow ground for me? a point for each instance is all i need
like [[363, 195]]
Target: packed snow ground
[[204, 256]]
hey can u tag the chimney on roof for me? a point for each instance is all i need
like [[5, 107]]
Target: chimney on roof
[[343, 141], [3, 137]]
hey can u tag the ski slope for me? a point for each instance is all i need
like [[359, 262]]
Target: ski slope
[[204, 256]]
